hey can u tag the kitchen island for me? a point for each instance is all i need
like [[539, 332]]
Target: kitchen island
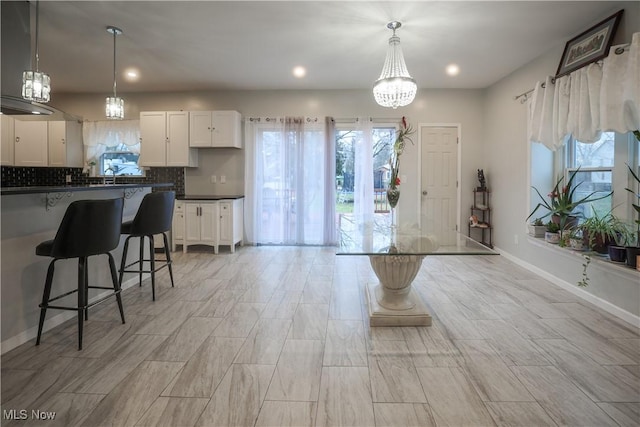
[[31, 215]]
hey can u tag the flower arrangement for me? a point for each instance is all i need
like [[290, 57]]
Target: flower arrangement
[[561, 201], [398, 148]]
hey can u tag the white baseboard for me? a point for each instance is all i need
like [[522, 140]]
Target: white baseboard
[[597, 301], [51, 322]]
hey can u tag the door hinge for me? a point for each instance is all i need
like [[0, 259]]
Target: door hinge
[[457, 140], [456, 184], [456, 227]]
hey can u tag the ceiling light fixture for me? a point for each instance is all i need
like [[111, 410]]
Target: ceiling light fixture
[[395, 87], [36, 86], [114, 105], [453, 70]]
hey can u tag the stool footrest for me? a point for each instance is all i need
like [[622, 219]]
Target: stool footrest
[[103, 299]]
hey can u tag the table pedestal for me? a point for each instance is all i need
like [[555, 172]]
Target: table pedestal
[[393, 302]]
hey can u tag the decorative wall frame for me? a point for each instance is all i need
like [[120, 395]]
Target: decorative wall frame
[[589, 46]]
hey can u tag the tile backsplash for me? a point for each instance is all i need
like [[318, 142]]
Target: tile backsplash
[[32, 176]]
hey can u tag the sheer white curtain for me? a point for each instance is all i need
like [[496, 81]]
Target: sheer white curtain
[[363, 206], [290, 181], [603, 96], [97, 136]]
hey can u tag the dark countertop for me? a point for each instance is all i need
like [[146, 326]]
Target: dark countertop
[[8, 191], [200, 197]]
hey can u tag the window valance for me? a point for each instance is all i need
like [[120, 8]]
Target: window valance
[[603, 96]]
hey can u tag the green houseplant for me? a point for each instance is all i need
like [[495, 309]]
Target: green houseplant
[[598, 232], [552, 235], [560, 203], [537, 228], [634, 251]]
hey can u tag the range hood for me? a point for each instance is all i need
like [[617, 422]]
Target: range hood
[[16, 57]]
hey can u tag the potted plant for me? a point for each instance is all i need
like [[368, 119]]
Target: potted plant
[[624, 237], [599, 231], [552, 235], [537, 228], [561, 206], [576, 241], [633, 252]]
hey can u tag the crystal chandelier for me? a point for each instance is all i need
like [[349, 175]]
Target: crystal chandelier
[[115, 105], [36, 86], [395, 87]]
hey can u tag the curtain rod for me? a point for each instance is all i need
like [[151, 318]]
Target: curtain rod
[[525, 95]]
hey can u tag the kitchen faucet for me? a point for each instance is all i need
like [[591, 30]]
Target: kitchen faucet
[[113, 176]]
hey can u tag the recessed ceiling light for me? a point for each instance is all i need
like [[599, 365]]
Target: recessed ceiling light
[[299, 72], [131, 74], [453, 69]]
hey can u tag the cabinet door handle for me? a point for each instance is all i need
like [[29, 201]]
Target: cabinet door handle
[[167, 138], [17, 139], [63, 141], [424, 192]]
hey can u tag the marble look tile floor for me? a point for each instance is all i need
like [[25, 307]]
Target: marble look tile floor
[[279, 336]]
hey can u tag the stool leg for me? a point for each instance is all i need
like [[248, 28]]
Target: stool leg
[[45, 298], [86, 288], [116, 285], [141, 258], [123, 263], [167, 254], [82, 261], [152, 260]]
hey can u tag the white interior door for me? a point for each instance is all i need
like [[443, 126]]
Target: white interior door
[[439, 171]]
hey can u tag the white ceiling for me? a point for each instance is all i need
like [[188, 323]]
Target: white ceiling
[[235, 45]]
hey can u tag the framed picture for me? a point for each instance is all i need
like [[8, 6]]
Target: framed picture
[[590, 46]]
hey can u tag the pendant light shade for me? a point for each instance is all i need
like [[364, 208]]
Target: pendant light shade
[[114, 107], [36, 86], [395, 87]]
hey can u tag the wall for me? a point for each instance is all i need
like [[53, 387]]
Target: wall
[[507, 154], [462, 107]]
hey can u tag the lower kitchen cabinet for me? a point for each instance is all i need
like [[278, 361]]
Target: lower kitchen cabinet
[[208, 222]]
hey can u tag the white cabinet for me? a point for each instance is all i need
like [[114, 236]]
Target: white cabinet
[[65, 144], [164, 139], [30, 147], [231, 220], [208, 222], [177, 225], [215, 129], [7, 140], [201, 225]]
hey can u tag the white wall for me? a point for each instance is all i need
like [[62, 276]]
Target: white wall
[[462, 107], [507, 155]]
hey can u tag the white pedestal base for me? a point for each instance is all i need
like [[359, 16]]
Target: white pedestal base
[[380, 316]]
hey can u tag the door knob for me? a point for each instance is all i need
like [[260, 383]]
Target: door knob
[[424, 192]]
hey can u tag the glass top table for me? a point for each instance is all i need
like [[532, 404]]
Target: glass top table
[[396, 255]]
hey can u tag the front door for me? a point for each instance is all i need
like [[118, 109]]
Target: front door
[[439, 171]]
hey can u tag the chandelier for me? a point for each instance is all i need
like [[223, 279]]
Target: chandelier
[[114, 105], [36, 86], [395, 87]]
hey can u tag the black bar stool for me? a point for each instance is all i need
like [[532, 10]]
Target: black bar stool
[[153, 217], [88, 228]]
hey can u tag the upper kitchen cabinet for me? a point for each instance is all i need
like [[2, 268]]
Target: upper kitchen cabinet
[[164, 139], [30, 148], [215, 129], [65, 144], [7, 140]]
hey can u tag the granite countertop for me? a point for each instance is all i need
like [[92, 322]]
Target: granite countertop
[[208, 197], [6, 191]]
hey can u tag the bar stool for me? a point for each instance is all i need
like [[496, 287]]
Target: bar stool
[[88, 228], [153, 217]]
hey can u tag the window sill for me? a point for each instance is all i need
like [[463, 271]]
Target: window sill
[[599, 260]]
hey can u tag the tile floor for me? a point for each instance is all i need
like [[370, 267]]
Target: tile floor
[[278, 336]]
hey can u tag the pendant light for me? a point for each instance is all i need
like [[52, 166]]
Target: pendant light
[[36, 86], [395, 87], [114, 105]]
